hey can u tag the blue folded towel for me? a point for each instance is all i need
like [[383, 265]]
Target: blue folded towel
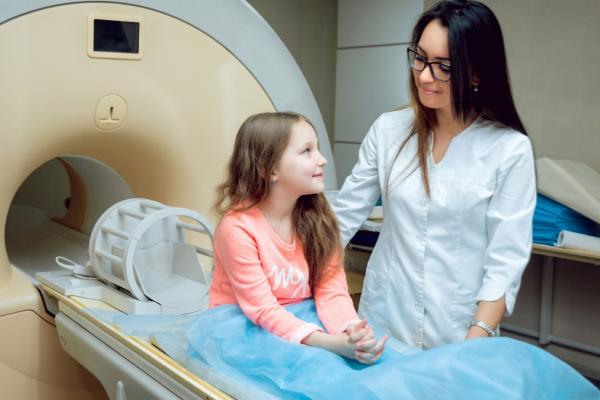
[[551, 217]]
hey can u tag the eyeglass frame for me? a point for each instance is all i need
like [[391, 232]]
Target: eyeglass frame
[[427, 64]]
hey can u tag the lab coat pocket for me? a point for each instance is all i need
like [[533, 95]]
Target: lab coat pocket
[[474, 198]]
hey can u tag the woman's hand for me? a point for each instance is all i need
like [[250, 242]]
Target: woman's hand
[[491, 312], [475, 332]]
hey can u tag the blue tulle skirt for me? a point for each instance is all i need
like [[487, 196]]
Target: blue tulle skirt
[[225, 348]]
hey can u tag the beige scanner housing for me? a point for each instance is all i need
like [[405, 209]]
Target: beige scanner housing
[[82, 129]]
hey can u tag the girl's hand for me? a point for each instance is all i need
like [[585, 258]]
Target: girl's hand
[[361, 351], [373, 354], [358, 330], [367, 348], [362, 334]]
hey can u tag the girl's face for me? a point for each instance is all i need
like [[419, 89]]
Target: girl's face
[[300, 169], [433, 46]]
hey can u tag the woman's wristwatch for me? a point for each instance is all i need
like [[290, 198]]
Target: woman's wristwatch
[[489, 330]]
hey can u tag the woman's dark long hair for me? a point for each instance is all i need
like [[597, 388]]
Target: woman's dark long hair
[[476, 48]]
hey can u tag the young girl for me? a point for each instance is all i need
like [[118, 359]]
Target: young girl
[[278, 241]]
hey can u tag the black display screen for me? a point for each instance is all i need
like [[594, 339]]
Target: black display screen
[[116, 36]]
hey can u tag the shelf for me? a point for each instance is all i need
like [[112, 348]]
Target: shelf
[[568, 254]]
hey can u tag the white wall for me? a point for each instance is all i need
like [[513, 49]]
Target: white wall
[[372, 72]]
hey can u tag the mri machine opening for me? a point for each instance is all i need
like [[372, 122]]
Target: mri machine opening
[[56, 208], [109, 101]]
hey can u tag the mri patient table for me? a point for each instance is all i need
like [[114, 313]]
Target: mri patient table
[[136, 366]]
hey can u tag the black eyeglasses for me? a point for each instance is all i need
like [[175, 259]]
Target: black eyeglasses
[[439, 71]]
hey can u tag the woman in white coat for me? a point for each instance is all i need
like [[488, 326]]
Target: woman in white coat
[[456, 175]]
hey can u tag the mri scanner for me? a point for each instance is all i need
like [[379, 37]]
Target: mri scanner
[[104, 102]]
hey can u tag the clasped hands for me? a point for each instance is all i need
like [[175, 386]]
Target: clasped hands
[[361, 343]]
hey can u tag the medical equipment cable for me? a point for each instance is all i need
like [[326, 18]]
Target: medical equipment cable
[[80, 271]]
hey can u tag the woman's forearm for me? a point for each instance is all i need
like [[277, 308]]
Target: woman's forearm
[[490, 312]]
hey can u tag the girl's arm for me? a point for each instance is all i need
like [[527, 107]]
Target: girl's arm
[[334, 305], [350, 336], [238, 253], [339, 344]]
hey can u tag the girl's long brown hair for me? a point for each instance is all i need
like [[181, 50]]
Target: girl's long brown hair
[[259, 145]]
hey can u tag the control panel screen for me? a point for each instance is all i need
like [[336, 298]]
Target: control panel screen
[[116, 36]]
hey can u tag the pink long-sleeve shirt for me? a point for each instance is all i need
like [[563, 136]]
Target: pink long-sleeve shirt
[[255, 269]]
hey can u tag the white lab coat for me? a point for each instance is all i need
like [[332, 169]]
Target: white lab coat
[[437, 257]]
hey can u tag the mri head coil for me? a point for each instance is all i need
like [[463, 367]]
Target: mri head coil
[[145, 257], [140, 245]]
